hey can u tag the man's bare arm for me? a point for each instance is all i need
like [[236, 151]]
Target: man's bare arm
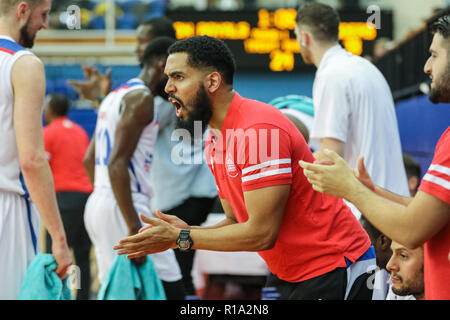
[[89, 160], [410, 225], [265, 209], [137, 114], [28, 81], [337, 146]]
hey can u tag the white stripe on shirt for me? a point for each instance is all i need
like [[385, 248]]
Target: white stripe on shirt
[[265, 164], [266, 174], [439, 181], [440, 169]]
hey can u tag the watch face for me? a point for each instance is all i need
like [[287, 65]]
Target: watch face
[[184, 244], [184, 241]]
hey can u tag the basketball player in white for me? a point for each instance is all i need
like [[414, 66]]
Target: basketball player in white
[[118, 163], [22, 155]]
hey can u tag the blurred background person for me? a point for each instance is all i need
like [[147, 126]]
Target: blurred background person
[[413, 173], [65, 145], [383, 253]]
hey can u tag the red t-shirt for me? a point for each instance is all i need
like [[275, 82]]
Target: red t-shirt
[[436, 264], [260, 147], [66, 144]]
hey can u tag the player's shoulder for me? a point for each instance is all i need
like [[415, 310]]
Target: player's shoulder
[[28, 64], [253, 113]]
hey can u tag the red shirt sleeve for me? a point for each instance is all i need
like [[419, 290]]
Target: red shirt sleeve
[[264, 157], [437, 179]]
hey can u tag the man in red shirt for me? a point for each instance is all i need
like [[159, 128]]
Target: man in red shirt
[[65, 144], [424, 219], [313, 245]]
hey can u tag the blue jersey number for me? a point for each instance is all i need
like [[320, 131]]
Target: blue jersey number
[[102, 157]]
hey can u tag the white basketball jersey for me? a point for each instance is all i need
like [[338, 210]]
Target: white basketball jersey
[[109, 116], [10, 173]]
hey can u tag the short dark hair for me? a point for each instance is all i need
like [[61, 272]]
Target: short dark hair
[[204, 51], [59, 104], [161, 27], [322, 19], [442, 26], [370, 229], [156, 49], [411, 166]]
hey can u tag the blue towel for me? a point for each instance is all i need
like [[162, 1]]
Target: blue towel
[[126, 281], [42, 283]]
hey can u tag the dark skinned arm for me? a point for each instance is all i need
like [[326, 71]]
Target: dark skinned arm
[[89, 160], [137, 114]]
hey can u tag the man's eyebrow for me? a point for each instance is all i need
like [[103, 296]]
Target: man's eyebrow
[[174, 73]]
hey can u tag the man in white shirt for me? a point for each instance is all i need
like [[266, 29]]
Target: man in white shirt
[[353, 106]]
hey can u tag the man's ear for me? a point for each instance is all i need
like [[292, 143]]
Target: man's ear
[[213, 82], [162, 64], [305, 38], [23, 12], [384, 242]]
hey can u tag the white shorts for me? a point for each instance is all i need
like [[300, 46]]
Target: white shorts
[[106, 226], [19, 242]]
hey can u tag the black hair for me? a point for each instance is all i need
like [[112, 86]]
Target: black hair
[[442, 26], [411, 166], [59, 104], [370, 229], [156, 49], [322, 20], [161, 27], [204, 52]]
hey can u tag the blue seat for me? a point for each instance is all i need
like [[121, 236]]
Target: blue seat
[[127, 21], [98, 23], [157, 9], [127, 5]]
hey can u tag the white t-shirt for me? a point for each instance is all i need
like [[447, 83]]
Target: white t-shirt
[[353, 103]]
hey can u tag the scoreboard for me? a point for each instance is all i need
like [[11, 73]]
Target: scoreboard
[[264, 40]]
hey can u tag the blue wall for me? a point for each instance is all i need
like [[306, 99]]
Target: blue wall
[[421, 124]]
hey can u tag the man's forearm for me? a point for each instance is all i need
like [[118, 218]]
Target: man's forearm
[[120, 183], [230, 237], [387, 215], [392, 196], [39, 182]]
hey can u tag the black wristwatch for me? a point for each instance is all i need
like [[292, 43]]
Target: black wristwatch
[[184, 240]]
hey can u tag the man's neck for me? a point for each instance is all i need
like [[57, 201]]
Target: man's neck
[[6, 29], [221, 105], [320, 52]]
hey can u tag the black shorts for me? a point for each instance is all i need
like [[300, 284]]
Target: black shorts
[[329, 286]]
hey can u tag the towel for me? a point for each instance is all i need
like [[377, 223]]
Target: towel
[[126, 281], [42, 283]]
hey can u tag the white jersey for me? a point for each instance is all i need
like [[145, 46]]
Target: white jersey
[[10, 174], [109, 116]]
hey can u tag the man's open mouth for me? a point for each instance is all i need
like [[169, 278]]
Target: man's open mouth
[[178, 106]]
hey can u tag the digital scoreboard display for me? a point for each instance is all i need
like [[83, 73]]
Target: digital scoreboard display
[[264, 40]]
